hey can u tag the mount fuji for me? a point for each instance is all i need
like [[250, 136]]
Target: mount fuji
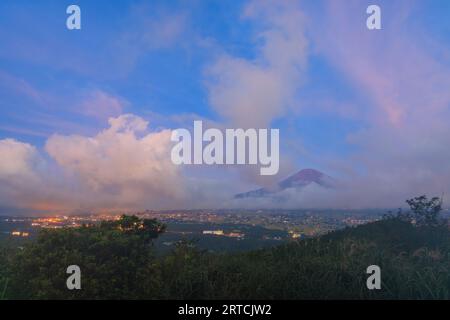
[[298, 181]]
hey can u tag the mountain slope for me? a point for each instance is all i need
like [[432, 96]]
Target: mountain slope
[[298, 181]]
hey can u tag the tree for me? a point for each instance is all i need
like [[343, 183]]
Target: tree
[[115, 257], [146, 229], [425, 212]]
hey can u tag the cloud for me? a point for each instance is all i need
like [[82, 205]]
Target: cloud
[[311, 196], [253, 92], [389, 66], [122, 167], [149, 28], [19, 177], [400, 100], [139, 28], [40, 112], [101, 105], [22, 87], [18, 159], [401, 150], [398, 78]]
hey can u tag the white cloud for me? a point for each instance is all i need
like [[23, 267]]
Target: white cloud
[[19, 177], [122, 166], [17, 159], [252, 93]]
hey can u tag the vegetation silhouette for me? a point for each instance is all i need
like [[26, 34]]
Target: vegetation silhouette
[[118, 261]]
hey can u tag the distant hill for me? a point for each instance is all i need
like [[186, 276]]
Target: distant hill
[[299, 180]]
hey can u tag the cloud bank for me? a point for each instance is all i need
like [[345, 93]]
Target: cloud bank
[[123, 166]]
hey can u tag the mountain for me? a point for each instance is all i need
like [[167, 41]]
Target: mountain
[[299, 180]]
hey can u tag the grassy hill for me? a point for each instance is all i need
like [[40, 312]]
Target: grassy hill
[[414, 264], [121, 263]]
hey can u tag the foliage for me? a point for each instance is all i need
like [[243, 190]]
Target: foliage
[[414, 264], [425, 212], [115, 257], [3, 273], [117, 261]]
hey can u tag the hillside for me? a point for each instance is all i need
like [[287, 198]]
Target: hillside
[[414, 265]]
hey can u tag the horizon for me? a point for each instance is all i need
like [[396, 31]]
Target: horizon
[[116, 213]]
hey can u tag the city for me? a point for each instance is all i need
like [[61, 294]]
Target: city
[[239, 229]]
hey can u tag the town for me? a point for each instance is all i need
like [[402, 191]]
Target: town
[[215, 230]]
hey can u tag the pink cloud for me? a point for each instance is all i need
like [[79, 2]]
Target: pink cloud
[[403, 149], [101, 105], [392, 66]]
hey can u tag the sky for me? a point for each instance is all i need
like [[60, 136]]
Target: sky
[[86, 115]]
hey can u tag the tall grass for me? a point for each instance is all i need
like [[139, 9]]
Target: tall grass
[[3, 288]]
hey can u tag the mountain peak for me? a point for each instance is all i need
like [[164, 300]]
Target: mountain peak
[[303, 177], [298, 180]]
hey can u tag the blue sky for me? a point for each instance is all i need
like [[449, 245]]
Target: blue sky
[[354, 103], [166, 80]]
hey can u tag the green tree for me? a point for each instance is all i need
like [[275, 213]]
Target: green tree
[[425, 212], [116, 260]]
